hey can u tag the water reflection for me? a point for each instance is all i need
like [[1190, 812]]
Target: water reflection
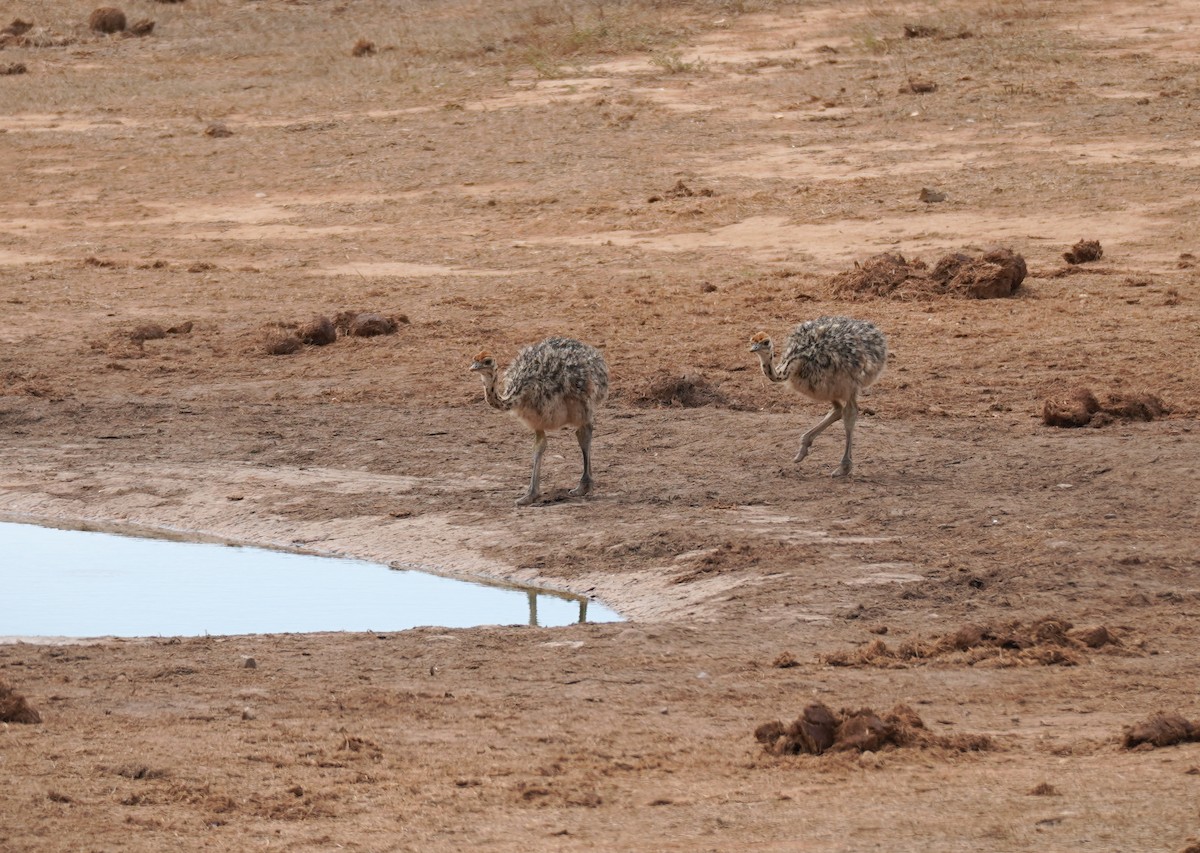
[[83, 583]]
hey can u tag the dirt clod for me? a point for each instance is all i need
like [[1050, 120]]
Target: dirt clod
[[318, 332], [819, 730], [141, 27], [363, 47], [106, 19], [1161, 730], [1083, 252], [14, 708], [217, 130]]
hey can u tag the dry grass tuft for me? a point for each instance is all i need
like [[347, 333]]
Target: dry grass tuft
[[363, 47]]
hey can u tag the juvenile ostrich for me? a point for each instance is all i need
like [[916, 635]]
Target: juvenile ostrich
[[829, 359], [553, 384]]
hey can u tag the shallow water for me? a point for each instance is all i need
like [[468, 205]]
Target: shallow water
[[80, 583]]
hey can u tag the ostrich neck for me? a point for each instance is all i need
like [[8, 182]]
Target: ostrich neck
[[768, 368], [489, 393]]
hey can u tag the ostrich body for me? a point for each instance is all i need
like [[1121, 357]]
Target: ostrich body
[[829, 359], [557, 383]]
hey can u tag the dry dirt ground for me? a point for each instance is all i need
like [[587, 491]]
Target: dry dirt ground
[[661, 180]]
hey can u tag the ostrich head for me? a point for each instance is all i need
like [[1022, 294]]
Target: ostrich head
[[485, 365], [760, 344]]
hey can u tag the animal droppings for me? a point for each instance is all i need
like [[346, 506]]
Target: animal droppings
[[997, 273], [1045, 642], [14, 708], [818, 730], [278, 343], [1083, 252], [1082, 408], [689, 391], [1161, 730], [318, 332], [107, 20]]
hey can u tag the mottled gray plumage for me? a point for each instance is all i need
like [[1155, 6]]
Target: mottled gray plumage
[[556, 383], [829, 359]]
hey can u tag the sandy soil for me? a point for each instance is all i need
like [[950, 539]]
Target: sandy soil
[[663, 183]]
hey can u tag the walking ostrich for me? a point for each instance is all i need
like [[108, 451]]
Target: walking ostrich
[[829, 359], [549, 385]]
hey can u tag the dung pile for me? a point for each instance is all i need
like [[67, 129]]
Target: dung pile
[[1082, 408], [879, 275], [689, 391], [367, 324], [287, 338], [1046, 642], [14, 708], [992, 275], [1161, 730], [1084, 252], [819, 730]]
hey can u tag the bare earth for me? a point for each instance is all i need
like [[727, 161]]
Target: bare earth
[[662, 182]]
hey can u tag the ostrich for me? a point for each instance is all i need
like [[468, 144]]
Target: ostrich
[[829, 359], [553, 384]]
